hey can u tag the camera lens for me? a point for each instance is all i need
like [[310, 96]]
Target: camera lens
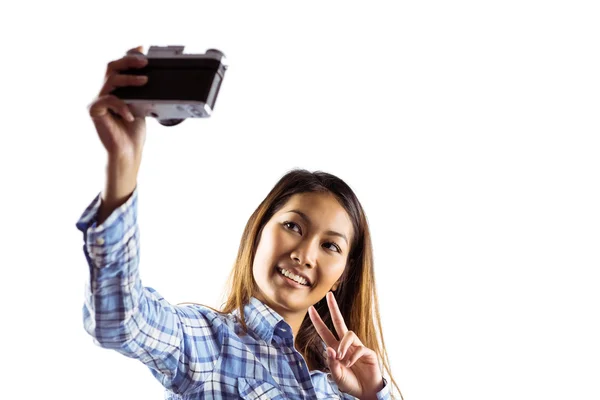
[[170, 122]]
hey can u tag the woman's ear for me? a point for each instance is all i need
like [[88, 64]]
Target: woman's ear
[[335, 286]]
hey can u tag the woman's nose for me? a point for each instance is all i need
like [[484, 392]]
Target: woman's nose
[[305, 254]]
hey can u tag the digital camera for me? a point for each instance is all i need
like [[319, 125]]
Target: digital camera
[[179, 85]]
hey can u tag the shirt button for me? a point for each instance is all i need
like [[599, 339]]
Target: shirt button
[[100, 241]]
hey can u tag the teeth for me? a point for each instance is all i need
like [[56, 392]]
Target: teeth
[[294, 277]]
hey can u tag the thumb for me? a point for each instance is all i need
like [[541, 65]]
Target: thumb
[[138, 49], [335, 366]]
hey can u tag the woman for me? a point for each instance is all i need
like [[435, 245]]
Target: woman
[[276, 335]]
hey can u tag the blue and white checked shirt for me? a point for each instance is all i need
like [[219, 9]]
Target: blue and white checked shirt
[[193, 351]]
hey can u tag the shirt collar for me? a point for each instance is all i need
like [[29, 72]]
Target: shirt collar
[[264, 321]]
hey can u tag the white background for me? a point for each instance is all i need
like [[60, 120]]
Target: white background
[[468, 130]]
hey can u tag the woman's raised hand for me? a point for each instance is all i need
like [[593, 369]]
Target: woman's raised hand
[[354, 368], [122, 134]]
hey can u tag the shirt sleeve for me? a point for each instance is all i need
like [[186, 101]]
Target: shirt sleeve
[[179, 344], [383, 394]]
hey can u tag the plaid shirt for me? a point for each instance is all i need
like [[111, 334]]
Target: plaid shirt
[[194, 352]]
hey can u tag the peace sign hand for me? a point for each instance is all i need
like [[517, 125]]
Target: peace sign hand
[[357, 371]]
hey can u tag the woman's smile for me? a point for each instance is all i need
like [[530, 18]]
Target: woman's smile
[[282, 276]]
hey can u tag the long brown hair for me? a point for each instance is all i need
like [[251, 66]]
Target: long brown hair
[[356, 294]]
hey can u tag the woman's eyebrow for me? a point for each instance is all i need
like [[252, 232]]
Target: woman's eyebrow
[[305, 217]]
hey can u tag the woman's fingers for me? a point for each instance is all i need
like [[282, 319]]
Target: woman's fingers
[[321, 328], [348, 340], [356, 356], [115, 81], [336, 315], [100, 107], [131, 61], [127, 62]]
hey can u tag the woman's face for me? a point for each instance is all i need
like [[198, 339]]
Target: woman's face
[[309, 236]]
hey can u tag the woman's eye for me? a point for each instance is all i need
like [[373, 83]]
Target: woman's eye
[[287, 224], [334, 247]]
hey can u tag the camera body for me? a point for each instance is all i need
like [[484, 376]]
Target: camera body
[[179, 86]]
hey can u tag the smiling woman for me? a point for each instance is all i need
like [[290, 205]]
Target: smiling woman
[[303, 250], [307, 240], [274, 337]]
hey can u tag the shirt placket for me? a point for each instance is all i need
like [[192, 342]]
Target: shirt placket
[[297, 364]]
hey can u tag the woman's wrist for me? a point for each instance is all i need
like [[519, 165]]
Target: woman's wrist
[[373, 396]]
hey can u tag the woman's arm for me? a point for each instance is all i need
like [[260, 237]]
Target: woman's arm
[[179, 344]]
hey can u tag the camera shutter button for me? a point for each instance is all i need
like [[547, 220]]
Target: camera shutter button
[[215, 51]]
